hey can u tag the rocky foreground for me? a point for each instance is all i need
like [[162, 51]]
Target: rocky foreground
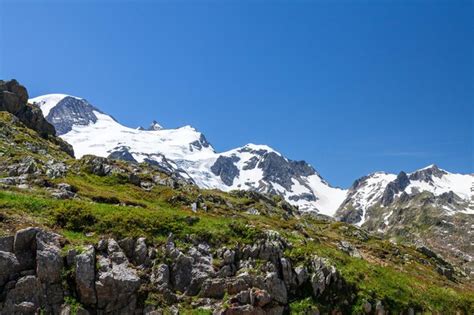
[[38, 274]]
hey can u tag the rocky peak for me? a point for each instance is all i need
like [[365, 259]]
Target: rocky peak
[[426, 174], [358, 183], [122, 153], [154, 126], [199, 144], [279, 170], [255, 149], [71, 111], [225, 168]]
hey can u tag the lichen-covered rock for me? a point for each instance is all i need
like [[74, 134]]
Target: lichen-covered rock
[[276, 287], [349, 249], [128, 246], [288, 274], [323, 275], [85, 277], [301, 274], [24, 247], [24, 297], [181, 272], [160, 277], [116, 289], [213, 288], [24, 240], [117, 277], [6, 243], [140, 252], [49, 263], [202, 268], [96, 165], [8, 265]]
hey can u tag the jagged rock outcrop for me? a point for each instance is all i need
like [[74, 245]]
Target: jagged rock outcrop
[[116, 277], [398, 185], [14, 99], [224, 168], [122, 153]]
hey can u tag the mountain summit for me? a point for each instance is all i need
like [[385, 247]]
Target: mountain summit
[[155, 126]]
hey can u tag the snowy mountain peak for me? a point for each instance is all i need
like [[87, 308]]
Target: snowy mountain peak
[[65, 111], [259, 149], [155, 126], [47, 102], [431, 166], [384, 189], [427, 174]]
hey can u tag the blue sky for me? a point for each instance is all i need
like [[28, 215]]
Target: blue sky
[[351, 87]]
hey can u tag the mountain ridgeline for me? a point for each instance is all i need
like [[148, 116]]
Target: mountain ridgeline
[[428, 206]]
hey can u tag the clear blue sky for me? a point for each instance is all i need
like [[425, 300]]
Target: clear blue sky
[[351, 87]]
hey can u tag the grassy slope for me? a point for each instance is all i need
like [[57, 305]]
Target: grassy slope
[[395, 274]]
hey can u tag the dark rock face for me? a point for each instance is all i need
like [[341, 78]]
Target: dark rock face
[[398, 185], [275, 168], [281, 171], [71, 111], [443, 267], [162, 164], [226, 169], [350, 216], [358, 183], [14, 99], [123, 154], [199, 144], [427, 174], [305, 196], [251, 164]]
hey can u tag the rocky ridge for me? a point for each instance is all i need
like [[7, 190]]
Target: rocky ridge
[[429, 206]]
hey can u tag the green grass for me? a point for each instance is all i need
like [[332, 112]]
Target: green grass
[[303, 306], [81, 222]]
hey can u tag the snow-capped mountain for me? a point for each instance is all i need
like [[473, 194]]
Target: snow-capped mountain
[[381, 189], [186, 150], [430, 206], [251, 167]]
